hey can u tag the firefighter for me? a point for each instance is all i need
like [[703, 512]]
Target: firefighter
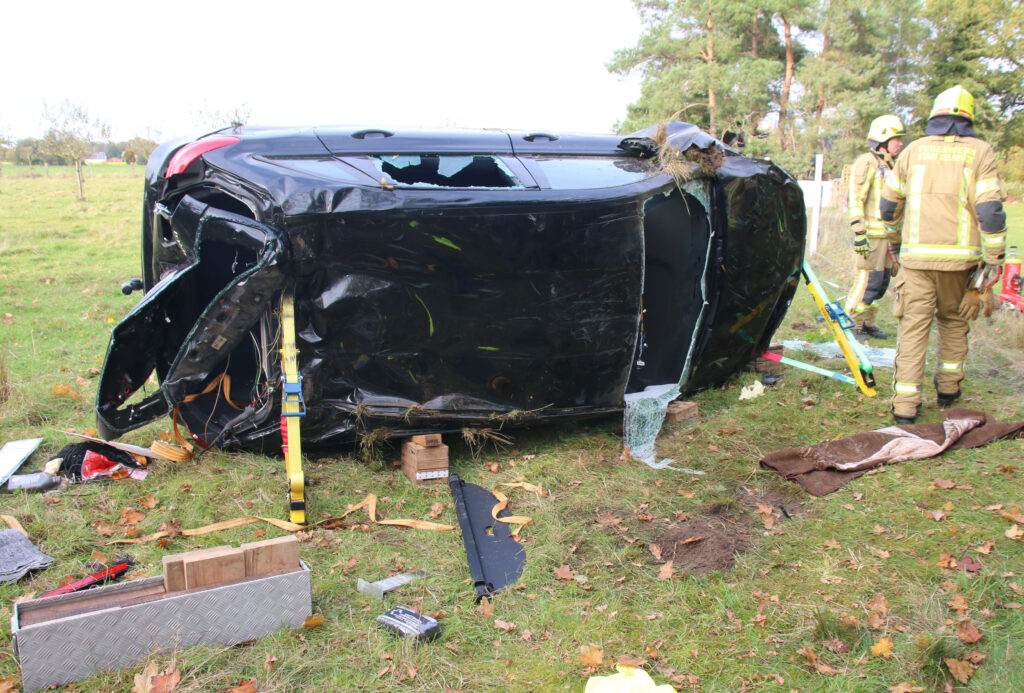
[[869, 242], [946, 194]]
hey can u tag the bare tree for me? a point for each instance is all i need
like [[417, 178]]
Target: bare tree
[[208, 118], [70, 133]]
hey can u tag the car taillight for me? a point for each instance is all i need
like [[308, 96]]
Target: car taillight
[[193, 150]]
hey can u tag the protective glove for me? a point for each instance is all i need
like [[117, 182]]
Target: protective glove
[[970, 306], [861, 245], [894, 258]]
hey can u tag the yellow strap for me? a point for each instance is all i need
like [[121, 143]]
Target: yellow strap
[[13, 523], [291, 435], [370, 503]]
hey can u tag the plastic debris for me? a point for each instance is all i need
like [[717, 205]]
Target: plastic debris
[[13, 454], [381, 587], [752, 391], [627, 680], [37, 481]]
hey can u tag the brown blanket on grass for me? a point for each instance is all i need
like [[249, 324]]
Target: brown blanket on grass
[[826, 467]]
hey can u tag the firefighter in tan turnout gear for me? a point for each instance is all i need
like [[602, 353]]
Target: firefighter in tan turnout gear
[[874, 267], [946, 192]]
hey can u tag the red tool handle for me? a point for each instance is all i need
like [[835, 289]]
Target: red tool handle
[[111, 573]]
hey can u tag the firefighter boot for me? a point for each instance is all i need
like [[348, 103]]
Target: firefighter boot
[[943, 399]]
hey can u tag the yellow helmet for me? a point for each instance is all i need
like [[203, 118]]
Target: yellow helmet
[[954, 101], [884, 128]]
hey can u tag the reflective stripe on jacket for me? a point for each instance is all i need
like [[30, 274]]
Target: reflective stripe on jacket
[[865, 192], [936, 186]]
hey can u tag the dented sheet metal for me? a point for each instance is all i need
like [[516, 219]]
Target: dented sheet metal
[[445, 279]]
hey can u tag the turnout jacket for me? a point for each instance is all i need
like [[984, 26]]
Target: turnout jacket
[[946, 192], [866, 177]]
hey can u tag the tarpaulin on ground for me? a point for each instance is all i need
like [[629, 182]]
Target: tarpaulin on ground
[[824, 468]]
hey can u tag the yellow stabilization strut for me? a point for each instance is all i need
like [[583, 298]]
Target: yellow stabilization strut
[[293, 408], [840, 325]]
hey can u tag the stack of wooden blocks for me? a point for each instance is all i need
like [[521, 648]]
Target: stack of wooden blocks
[[222, 564], [425, 459]]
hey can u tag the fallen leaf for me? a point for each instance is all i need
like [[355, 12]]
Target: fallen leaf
[[8, 684], [564, 573], [936, 515], [968, 633], [504, 625], [1013, 514], [591, 656], [485, 608], [836, 645], [819, 666], [63, 391], [975, 657], [314, 620], [881, 553], [410, 671], [962, 671], [105, 528], [968, 564], [631, 662], [268, 663], [435, 510], [878, 610], [149, 501], [491, 467], [944, 483], [958, 603], [665, 571], [832, 544], [882, 648], [655, 551], [142, 681], [130, 517], [986, 547], [1014, 532], [98, 557], [906, 688], [244, 687]]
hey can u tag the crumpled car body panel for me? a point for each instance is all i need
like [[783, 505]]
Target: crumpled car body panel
[[444, 280]]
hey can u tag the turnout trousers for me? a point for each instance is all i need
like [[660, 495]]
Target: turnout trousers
[[872, 279], [921, 297]]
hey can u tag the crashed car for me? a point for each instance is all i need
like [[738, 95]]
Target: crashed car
[[444, 280]]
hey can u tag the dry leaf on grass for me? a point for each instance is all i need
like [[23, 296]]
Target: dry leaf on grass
[[958, 603], [564, 573], [819, 666], [968, 633], [504, 625], [882, 648], [591, 656], [268, 663], [486, 608], [962, 671], [878, 611], [149, 501], [665, 571], [104, 528], [151, 681], [906, 688], [435, 511], [986, 547], [98, 557], [314, 620], [944, 483], [8, 685], [1014, 532], [244, 687], [655, 551], [130, 517]]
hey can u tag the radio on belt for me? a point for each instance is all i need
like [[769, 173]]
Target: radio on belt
[[404, 621]]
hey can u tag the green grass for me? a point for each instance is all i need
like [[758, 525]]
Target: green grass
[[62, 264]]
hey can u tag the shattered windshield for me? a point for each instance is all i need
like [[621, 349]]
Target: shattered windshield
[[462, 171]]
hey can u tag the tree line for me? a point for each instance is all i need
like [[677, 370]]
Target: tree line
[[803, 77]]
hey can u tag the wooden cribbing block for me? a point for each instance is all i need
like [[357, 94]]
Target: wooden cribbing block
[[213, 567], [680, 411], [272, 556], [174, 569], [430, 440], [423, 464]]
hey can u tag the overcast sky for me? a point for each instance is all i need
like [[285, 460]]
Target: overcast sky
[[154, 67]]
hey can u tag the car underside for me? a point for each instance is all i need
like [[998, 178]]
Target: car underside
[[445, 280]]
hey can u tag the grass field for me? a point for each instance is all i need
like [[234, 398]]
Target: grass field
[[811, 604]]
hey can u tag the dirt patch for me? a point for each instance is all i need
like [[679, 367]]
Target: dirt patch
[[703, 544], [711, 539]]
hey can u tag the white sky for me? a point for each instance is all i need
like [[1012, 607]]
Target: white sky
[[147, 68]]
